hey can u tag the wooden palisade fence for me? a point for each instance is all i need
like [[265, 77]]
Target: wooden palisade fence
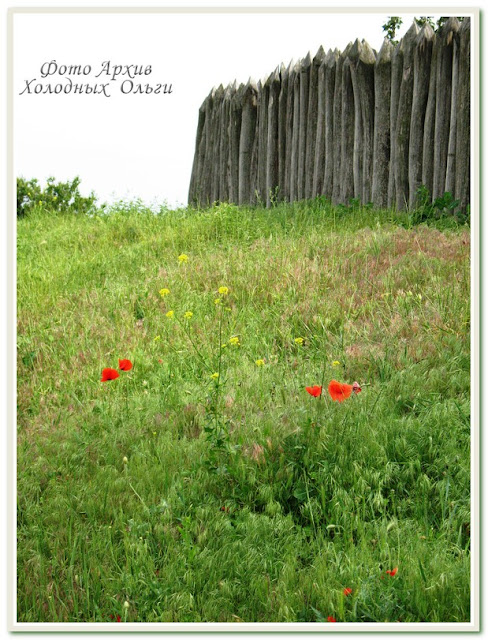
[[357, 124]]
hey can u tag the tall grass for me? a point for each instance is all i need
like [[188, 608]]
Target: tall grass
[[239, 497]]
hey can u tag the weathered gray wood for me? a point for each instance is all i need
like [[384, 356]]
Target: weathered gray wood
[[193, 193], [396, 79], [312, 121], [255, 150], [263, 101], [450, 185], [351, 124], [216, 128], [357, 158], [463, 129], [443, 103], [302, 132], [429, 122], [404, 114], [330, 151], [289, 129], [421, 76], [381, 143], [272, 143], [235, 135], [223, 194], [246, 140], [282, 130], [336, 189], [295, 136], [365, 76], [319, 160], [347, 137], [362, 75]]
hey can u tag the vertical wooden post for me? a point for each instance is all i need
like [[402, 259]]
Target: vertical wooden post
[[451, 147], [443, 104], [396, 78], [463, 131], [422, 57], [319, 160], [295, 137], [290, 98], [246, 140], [302, 131], [282, 130], [312, 117], [336, 190], [404, 114], [274, 86], [332, 163], [381, 142], [347, 130]]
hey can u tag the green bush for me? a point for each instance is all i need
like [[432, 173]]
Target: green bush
[[57, 196]]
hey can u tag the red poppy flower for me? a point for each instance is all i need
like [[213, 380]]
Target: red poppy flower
[[314, 391], [109, 374], [340, 391], [331, 619], [119, 619], [125, 365], [392, 572], [347, 591]]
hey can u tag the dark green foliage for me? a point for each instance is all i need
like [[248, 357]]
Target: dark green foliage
[[443, 211], [390, 27], [57, 196]]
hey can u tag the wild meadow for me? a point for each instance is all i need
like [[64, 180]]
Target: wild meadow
[[200, 481]]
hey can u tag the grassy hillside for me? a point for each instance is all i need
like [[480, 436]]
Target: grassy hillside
[[206, 484]]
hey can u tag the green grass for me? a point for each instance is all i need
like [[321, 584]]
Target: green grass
[[243, 498]]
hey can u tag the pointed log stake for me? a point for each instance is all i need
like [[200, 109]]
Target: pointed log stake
[[421, 76], [463, 132], [396, 79], [451, 147], [193, 193], [337, 144], [295, 135], [332, 162], [312, 121], [246, 140], [302, 132], [274, 87], [282, 130], [347, 137], [289, 129], [319, 160], [255, 149], [381, 142], [235, 135], [445, 37], [402, 132]]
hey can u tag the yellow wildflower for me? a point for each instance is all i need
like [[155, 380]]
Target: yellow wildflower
[[217, 300], [234, 341], [183, 258], [163, 292], [298, 340], [223, 291], [170, 314], [336, 363], [214, 376], [188, 314], [259, 363]]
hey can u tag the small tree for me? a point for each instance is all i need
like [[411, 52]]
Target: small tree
[[393, 23]]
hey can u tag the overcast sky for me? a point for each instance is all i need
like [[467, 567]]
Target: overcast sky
[[132, 145]]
